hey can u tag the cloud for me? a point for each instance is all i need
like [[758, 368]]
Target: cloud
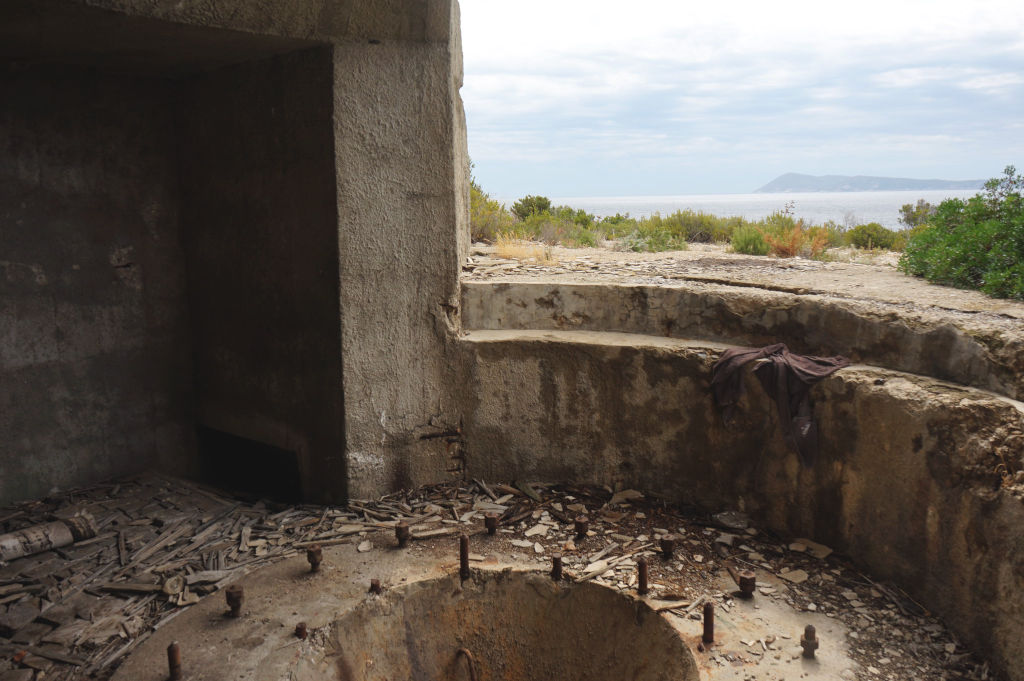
[[713, 87]]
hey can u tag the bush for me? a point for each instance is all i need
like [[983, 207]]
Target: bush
[[749, 240], [531, 205], [977, 243], [487, 217], [871, 235]]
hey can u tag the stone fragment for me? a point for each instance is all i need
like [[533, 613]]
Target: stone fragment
[[815, 549], [794, 576], [625, 496], [364, 546], [733, 519], [538, 529]]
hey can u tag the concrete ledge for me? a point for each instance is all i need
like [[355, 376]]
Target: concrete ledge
[[939, 343], [913, 479]]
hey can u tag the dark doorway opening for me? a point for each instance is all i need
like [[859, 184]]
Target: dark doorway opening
[[248, 469]]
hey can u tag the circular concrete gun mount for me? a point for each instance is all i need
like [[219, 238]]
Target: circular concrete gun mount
[[507, 621]]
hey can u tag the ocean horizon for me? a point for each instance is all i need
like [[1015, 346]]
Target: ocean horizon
[[845, 208]]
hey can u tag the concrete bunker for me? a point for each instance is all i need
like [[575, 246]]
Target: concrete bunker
[[240, 226], [515, 626]]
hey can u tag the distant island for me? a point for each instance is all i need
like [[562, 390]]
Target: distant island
[[795, 182]]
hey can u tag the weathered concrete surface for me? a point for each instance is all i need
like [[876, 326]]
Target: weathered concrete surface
[[945, 344], [517, 625], [94, 351], [259, 221], [403, 185], [310, 156], [910, 482]]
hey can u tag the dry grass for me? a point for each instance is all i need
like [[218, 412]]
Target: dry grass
[[507, 246]]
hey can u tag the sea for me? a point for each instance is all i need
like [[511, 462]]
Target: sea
[[845, 208]]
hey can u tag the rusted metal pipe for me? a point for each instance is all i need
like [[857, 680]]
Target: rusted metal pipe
[[491, 522], [668, 546], [641, 586], [582, 524], [556, 567], [709, 623], [234, 595], [315, 556], [809, 641], [301, 631], [464, 557], [174, 661], [402, 533]]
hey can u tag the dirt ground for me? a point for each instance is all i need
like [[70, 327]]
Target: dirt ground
[[164, 546], [872, 278]]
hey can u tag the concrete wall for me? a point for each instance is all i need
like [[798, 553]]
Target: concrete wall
[[402, 178], [94, 354], [946, 344], [909, 482], [259, 219], [321, 153]]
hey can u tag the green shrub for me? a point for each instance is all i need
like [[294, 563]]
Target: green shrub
[[871, 235], [487, 217], [530, 205], [977, 243], [749, 240]]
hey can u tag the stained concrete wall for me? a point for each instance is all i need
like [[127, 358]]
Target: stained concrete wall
[[403, 189], [94, 355], [946, 344], [259, 218], [320, 149], [910, 481]]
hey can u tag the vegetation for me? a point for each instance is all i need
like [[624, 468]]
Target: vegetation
[[533, 219], [977, 243], [872, 235]]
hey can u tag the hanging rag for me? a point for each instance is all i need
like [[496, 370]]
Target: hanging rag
[[787, 378]]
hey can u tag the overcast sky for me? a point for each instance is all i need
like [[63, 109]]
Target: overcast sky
[[650, 97]]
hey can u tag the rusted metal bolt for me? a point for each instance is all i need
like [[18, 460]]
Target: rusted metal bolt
[[709, 623], [234, 595], [315, 556], [556, 567], [668, 546], [582, 524], [174, 661], [402, 533], [748, 582], [464, 557], [809, 641], [300, 630], [375, 586], [491, 522], [641, 586]]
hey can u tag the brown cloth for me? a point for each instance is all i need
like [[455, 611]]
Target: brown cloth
[[787, 378]]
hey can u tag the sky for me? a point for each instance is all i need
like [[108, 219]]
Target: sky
[[649, 97]]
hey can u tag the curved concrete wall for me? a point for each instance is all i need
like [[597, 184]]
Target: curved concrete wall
[[909, 480], [939, 343]]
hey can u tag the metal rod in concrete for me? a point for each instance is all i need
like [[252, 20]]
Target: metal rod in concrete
[[491, 522], [464, 557], [582, 524], [556, 567], [402, 533], [315, 556], [234, 595], [174, 661], [641, 587], [709, 623]]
